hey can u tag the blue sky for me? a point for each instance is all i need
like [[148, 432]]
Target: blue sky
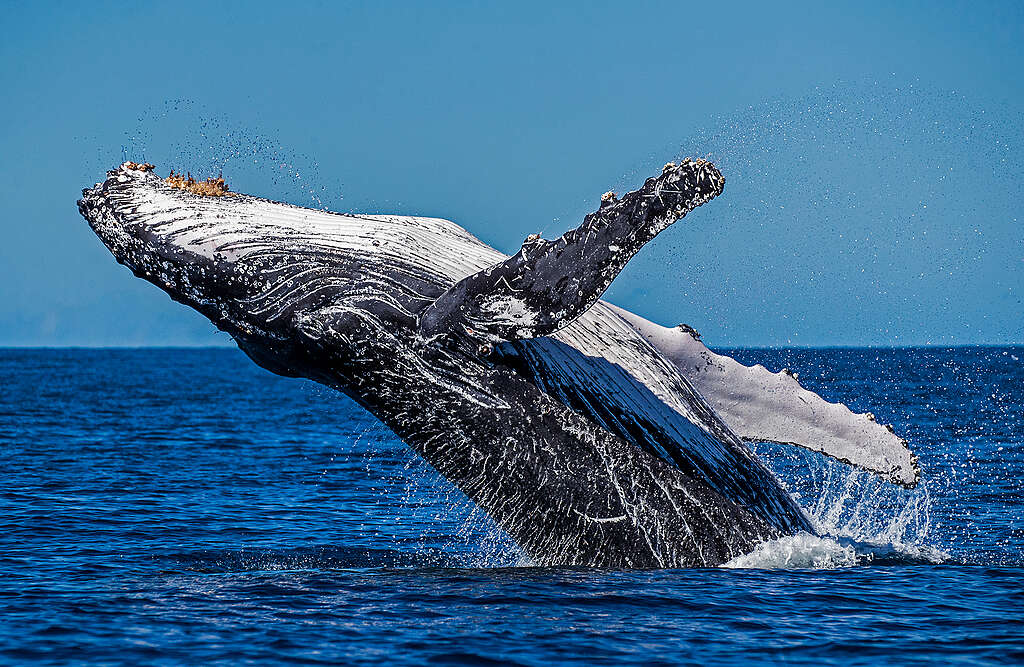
[[872, 153]]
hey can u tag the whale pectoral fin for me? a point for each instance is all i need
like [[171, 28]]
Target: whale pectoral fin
[[762, 406], [548, 284]]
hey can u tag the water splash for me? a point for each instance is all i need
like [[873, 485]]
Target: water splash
[[801, 551], [187, 136], [860, 518]]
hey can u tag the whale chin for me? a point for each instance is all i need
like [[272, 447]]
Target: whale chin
[[572, 424]]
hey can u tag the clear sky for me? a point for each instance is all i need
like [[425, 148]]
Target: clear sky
[[872, 152]]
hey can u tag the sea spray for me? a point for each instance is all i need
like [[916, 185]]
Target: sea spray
[[800, 551]]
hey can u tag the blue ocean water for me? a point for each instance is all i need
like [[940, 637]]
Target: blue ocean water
[[182, 506]]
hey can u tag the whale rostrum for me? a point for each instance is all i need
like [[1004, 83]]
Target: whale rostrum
[[575, 426]]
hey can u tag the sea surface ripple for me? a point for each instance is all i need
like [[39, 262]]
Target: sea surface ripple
[[181, 506]]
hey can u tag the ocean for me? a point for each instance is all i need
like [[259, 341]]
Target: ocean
[[183, 506]]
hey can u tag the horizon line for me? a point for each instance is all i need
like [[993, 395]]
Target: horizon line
[[787, 346]]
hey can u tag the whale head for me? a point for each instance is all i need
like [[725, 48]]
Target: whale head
[[258, 268]]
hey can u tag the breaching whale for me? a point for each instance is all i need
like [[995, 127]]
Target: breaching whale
[[591, 436]]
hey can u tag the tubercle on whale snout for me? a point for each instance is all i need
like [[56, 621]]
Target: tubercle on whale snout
[[213, 186]]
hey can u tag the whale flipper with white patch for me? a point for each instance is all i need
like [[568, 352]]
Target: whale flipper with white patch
[[548, 284], [762, 406]]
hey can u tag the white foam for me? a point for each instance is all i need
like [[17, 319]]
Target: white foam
[[800, 551]]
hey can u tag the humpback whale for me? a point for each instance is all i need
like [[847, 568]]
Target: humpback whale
[[590, 435]]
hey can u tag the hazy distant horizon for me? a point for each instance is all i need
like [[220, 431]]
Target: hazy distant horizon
[[232, 346]]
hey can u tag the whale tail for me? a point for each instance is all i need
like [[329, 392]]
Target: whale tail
[[548, 284]]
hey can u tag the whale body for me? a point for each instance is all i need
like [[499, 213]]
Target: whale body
[[576, 426]]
